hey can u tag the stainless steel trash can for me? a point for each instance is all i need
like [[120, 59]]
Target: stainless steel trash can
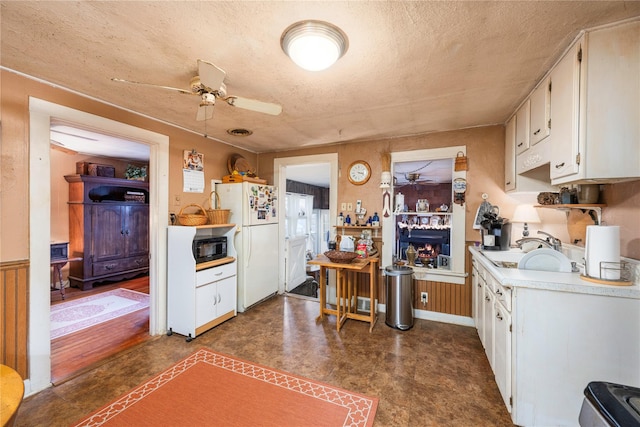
[[399, 282]]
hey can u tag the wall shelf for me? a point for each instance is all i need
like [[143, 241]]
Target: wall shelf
[[596, 207]]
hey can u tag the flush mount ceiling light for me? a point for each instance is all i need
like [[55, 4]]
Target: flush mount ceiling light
[[314, 45]]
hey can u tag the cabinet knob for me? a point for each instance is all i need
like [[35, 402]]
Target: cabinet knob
[[109, 267], [508, 183], [498, 292], [521, 144], [487, 299]]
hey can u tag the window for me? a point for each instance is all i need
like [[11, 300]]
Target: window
[[424, 215]]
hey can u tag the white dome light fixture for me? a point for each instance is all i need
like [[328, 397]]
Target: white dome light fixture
[[314, 45]]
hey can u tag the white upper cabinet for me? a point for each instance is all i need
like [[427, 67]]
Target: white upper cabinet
[[522, 127], [539, 124], [565, 80], [595, 108], [510, 155]]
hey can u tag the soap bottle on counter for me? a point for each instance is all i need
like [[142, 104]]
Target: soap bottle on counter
[[347, 220], [340, 220]]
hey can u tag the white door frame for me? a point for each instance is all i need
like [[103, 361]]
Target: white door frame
[[41, 113], [280, 178]]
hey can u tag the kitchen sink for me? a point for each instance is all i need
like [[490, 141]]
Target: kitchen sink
[[543, 259]]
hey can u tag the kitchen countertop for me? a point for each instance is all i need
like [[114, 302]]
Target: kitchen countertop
[[553, 281]]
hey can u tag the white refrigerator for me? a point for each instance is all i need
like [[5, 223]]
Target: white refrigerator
[[254, 208]]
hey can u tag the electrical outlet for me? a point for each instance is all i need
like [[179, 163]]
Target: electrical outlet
[[424, 297], [349, 207], [343, 206]]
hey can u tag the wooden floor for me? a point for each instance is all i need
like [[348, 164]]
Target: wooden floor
[[78, 352]]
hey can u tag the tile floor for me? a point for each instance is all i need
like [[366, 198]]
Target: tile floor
[[435, 374]]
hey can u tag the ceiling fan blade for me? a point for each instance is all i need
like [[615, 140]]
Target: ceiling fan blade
[[184, 91], [253, 105], [210, 75], [205, 112]]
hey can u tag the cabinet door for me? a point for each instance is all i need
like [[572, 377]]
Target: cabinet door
[[502, 352], [136, 229], [207, 300], [488, 315], [522, 127], [539, 126], [481, 306], [565, 102], [510, 155], [107, 232], [227, 300]]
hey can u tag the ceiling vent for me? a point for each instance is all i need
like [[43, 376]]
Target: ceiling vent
[[239, 132]]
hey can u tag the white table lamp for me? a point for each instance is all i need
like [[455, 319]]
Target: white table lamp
[[526, 214]]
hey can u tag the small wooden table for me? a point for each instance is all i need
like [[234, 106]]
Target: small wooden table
[[347, 289], [11, 393], [57, 265]]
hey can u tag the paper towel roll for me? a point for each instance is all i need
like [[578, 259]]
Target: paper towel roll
[[603, 245]]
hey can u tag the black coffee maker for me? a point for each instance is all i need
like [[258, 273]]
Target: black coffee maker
[[496, 232]]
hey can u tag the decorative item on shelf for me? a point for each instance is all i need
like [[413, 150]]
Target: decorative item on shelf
[[588, 193], [135, 196], [399, 202], [461, 162], [526, 214], [192, 219], [214, 213], [341, 257], [107, 171], [568, 196], [411, 255], [422, 205], [138, 173], [548, 198]]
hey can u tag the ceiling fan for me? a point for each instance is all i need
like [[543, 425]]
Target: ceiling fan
[[412, 178], [209, 85]]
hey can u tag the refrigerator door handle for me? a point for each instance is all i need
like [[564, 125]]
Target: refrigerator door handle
[[247, 247]]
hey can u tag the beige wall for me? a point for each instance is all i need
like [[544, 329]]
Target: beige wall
[[485, 153], [14, 167], [485, 174], [484, 150]]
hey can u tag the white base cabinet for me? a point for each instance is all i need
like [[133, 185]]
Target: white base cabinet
[[199, 297], [545, 346]]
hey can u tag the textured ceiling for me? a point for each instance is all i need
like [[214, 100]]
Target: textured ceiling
[[411, 67]]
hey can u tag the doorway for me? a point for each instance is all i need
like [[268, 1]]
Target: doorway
[[41, 114], [83, 337], [304, 169]]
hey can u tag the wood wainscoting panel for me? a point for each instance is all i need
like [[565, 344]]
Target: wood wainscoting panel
[[14, 309]]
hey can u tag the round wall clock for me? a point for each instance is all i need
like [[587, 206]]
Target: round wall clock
[[359, 172]]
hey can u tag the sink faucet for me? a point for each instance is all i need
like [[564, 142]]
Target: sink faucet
[[555, 242], [551, 241]]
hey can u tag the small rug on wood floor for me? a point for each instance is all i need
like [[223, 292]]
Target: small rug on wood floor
[[308, 288], [81, 313], [211, 389]]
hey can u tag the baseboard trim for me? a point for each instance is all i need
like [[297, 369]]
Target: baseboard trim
[[437, 317]]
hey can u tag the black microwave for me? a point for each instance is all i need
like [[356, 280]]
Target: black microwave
[[207, 249]]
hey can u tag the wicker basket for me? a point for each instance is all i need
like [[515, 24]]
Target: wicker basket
[[217, 216], [341, 257], [193, 218]]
